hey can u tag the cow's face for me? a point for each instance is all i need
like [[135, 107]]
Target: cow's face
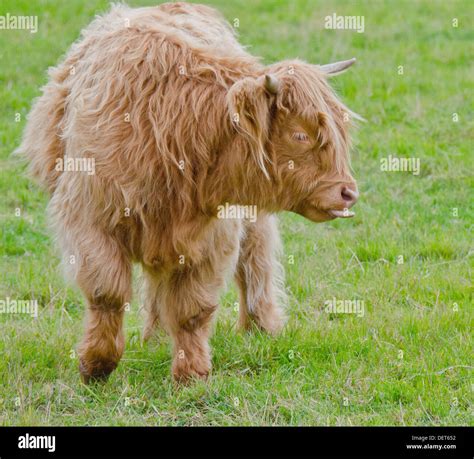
[[304, 140], [313, 170]]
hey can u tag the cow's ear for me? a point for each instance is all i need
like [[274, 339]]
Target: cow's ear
[[249, 102]]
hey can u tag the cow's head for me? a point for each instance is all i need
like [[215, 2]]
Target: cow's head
[[299, 135]]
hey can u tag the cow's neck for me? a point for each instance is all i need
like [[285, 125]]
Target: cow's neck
[[236, 179]]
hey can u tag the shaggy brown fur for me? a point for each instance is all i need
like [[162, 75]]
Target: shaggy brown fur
[[180, 120]]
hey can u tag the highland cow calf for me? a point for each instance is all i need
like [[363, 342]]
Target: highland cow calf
[[180, 122]]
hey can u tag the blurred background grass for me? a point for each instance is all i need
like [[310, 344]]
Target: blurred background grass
[[324, 369]]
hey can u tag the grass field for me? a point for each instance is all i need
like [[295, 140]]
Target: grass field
[[407, 255]]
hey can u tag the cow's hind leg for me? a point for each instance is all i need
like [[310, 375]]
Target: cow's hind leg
[[259, 276], [104, 275]]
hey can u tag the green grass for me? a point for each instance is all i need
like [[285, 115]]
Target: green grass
[[324, 369]]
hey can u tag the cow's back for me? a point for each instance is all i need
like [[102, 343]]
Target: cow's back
[[129, 108]]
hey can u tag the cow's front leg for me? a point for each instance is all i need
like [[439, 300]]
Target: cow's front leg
[[186, 299], [190, 300], [260, 276]]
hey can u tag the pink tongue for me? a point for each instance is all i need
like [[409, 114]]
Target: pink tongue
[[342, 213]]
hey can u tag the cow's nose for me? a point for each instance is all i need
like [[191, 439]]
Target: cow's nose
[[349, 195]]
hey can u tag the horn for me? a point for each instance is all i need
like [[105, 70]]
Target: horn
[[337, 67], [271, 83]]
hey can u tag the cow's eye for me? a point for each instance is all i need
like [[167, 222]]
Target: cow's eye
[[301, 137]]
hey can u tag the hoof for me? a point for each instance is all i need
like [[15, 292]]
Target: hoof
[[271, 323], [185, 379], [95, 371], [185, 372]]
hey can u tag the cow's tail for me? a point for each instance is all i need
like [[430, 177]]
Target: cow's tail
[[42, 143]]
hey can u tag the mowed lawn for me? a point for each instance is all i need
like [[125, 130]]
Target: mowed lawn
[[406, 256]]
